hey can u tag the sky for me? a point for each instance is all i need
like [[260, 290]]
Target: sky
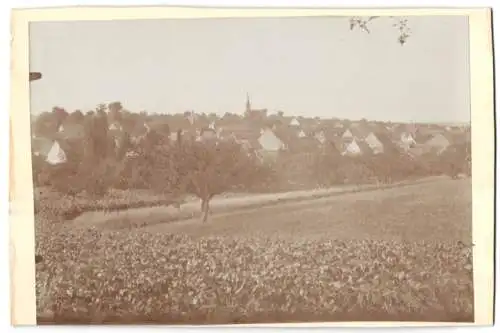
[[308, 66]]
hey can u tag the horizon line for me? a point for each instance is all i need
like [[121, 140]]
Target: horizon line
[[311, 117]]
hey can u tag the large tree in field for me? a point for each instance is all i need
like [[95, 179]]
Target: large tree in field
[[203, 169], [209, 169]]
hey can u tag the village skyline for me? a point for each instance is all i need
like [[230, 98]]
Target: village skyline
[[302, 66], [269, 113]]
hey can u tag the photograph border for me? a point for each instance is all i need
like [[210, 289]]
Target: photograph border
[[22, 238]]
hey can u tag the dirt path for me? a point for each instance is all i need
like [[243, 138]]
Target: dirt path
[[139, 217], [438, 210]]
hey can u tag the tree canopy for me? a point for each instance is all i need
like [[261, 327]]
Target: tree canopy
[[400, 24]]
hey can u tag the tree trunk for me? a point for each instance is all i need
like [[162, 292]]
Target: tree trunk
[[205, 208]]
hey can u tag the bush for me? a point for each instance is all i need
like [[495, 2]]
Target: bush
[[330, 169], [65, 178], [99, 178], [396, 167], [132, 173], [456, 160]]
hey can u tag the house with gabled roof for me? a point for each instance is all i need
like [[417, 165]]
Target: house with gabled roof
[[240, 132], [365, 148], [348, 135], [270, 142], [302, 134], [359, 132], [56, 150], [296, 140], [56, 154], [294, 122], [390, 147], [407, 140], [352, 148], [326, 137], [266, 146], [403, 136], [437, 144], [374, 143], [320, 136], [362, 131]]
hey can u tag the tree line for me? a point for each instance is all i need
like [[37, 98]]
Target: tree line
[[98, 161]]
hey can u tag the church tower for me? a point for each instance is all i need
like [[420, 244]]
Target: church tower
[[248, 105]]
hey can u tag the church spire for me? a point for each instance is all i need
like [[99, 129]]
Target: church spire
[[248, 105]]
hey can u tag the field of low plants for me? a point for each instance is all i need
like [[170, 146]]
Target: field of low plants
[[94, 276], [113, 277]]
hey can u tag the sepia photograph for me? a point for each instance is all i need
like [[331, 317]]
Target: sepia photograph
[[253, 170]]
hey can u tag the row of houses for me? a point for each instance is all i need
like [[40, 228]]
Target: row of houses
[[269, 133], [352, 140], [266, 135]]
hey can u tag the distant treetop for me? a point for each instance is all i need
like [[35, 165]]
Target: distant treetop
[[401, 24]]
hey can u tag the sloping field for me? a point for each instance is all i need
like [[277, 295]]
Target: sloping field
[[149, 215], [440, 210], [399, 254]]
